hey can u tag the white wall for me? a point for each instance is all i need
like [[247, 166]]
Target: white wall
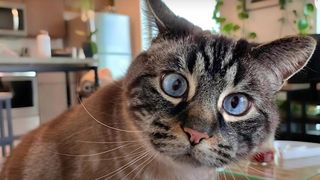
[[131, 8], [265, 22]]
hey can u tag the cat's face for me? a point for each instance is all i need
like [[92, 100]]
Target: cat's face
[[206, 99]]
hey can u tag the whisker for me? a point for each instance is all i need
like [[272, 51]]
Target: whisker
[[231, 173], [116, 142], [224, 175], [247, 166], [105, 125], [155, 155], [113, 173], [144, 162], [254, 169], [75, 133], [239, 168], [133, 154], [95, 154]]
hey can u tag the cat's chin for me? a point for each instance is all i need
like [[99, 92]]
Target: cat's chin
[[187, 159]]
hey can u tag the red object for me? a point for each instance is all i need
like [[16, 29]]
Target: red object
[[263, 157]]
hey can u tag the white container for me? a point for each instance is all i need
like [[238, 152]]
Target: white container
[[43, 45]]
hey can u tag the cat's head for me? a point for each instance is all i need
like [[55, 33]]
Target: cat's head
[[205, 99]]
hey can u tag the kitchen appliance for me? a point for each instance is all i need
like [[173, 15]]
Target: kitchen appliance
[[114, 42], [13, 19], [25, 108]]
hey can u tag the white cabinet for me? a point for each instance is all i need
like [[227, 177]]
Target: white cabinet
[[52, 94]]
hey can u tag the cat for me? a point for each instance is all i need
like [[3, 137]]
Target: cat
[[194, 101]]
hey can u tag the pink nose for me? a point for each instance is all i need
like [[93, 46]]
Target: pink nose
[[195, 136]]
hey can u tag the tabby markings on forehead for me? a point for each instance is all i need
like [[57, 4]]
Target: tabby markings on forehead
[[229, 55], [199, 65], [231, 74]]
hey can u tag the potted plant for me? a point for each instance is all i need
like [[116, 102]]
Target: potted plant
[[89, 47]]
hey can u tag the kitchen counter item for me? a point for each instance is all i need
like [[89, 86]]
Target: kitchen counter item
[[38, 65]]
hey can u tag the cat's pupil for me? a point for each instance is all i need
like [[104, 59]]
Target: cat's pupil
[[235, 102], [176, 85]]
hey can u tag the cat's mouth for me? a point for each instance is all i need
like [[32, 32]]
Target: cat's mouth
[[187, 158]]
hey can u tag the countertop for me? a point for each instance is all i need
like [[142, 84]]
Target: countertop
[[46, 65], [54, 60]]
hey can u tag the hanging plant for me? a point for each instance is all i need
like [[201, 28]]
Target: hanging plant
[[229, 28], [302, 17], [304, 22]]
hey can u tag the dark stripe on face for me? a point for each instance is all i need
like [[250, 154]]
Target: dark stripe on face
[[139, 107], [140, 80], [191, 60], [241, 50], [179, 108], [205, 56], [246, 138], [266, 120], [223, 154], [219, 52], [224, 147], [221, 160], [221, 122], [159, 135], [239, 75], [161, 125]]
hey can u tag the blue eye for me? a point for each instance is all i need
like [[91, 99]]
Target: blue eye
[[236, 104], [174, 85]]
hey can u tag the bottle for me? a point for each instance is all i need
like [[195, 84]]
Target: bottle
[[43, 45]]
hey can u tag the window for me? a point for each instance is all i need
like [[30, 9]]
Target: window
[[199, 12]]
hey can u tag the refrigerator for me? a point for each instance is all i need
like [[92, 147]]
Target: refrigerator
[[114, 42]]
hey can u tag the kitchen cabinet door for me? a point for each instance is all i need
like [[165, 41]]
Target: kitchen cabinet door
[[45, 15]]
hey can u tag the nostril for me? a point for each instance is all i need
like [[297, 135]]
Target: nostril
[[195, 136], [188, 134]]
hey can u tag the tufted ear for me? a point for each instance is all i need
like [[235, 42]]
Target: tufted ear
[[167, 21], [286, 56]]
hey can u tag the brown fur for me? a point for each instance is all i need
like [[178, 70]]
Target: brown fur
[[132, 129], [47, 152]]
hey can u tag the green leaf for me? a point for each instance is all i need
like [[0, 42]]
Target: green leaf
[[236, 27], [220, 19], [227, 28], [217, 9], [252, 35], [239, 7], [94, 47], [243, 15], [308, 9], [282, 4], [302, 24]]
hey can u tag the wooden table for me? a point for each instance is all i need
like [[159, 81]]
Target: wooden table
[[37, 65], [290, 169]]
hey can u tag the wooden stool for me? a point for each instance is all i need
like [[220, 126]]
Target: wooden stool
[[6, 134]]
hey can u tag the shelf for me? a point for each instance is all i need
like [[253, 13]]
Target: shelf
[[298, 137], [305, 95], [302, 120]]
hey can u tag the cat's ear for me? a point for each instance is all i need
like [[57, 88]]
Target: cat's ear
[[167, 21], [286, 56]]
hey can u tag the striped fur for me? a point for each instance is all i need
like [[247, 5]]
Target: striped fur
[[133, 130]]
